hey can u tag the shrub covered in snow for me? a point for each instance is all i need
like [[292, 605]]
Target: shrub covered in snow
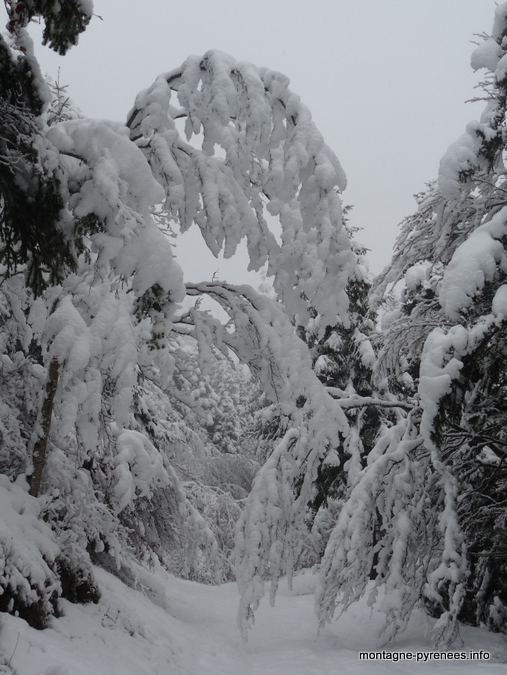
[[29, 583]]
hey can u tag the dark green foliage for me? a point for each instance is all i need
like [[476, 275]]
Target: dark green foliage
[[31, 203], [155, 303], [64, 20], [402, 340], [472, 430], [78, 584], [18, 88], [28, 231], [343, 362], [469, 431], [30, 200], [329, 485], [34, 613]]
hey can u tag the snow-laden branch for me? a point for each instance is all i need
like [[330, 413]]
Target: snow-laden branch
[[262, 336], [265, 339], [381, 518], [260, 154], [350, 402], [264, 545]]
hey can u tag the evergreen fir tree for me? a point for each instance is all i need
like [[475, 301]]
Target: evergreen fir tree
[[431, 477]]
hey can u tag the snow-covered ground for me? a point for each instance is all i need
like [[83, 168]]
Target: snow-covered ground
[[176, 627]]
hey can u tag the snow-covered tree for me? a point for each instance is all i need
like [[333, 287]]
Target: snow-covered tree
[[89, 283], [435, 479], [343, 360], [124, 422]]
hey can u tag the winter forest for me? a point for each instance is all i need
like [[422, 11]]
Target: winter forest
[[335, 421]]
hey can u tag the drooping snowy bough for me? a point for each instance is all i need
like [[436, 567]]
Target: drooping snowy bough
[[260, 153]]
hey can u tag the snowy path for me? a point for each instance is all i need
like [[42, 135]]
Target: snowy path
[[181, 628]]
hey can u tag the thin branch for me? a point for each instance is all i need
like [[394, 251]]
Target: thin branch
[[364, 401]]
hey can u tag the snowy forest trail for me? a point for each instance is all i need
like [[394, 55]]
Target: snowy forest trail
[[175, 627]]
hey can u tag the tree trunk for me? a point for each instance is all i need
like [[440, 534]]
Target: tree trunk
[[39, 450]]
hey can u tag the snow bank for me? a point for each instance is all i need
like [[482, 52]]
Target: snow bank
[[171, 626]]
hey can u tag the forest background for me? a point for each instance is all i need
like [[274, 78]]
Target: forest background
[[130, 434]]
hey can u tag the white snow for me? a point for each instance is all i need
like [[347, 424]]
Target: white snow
[[473, 263], [439, 366], [499, 304], [417, 274], [486, 55], [322, 364], [500, 22], [271, 146], [27, 546], [176, 627], [460, 158], [368, 357], [138, 466], [501, 69], [86, 6]]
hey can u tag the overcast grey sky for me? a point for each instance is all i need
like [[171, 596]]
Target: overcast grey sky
[[386, 80]]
